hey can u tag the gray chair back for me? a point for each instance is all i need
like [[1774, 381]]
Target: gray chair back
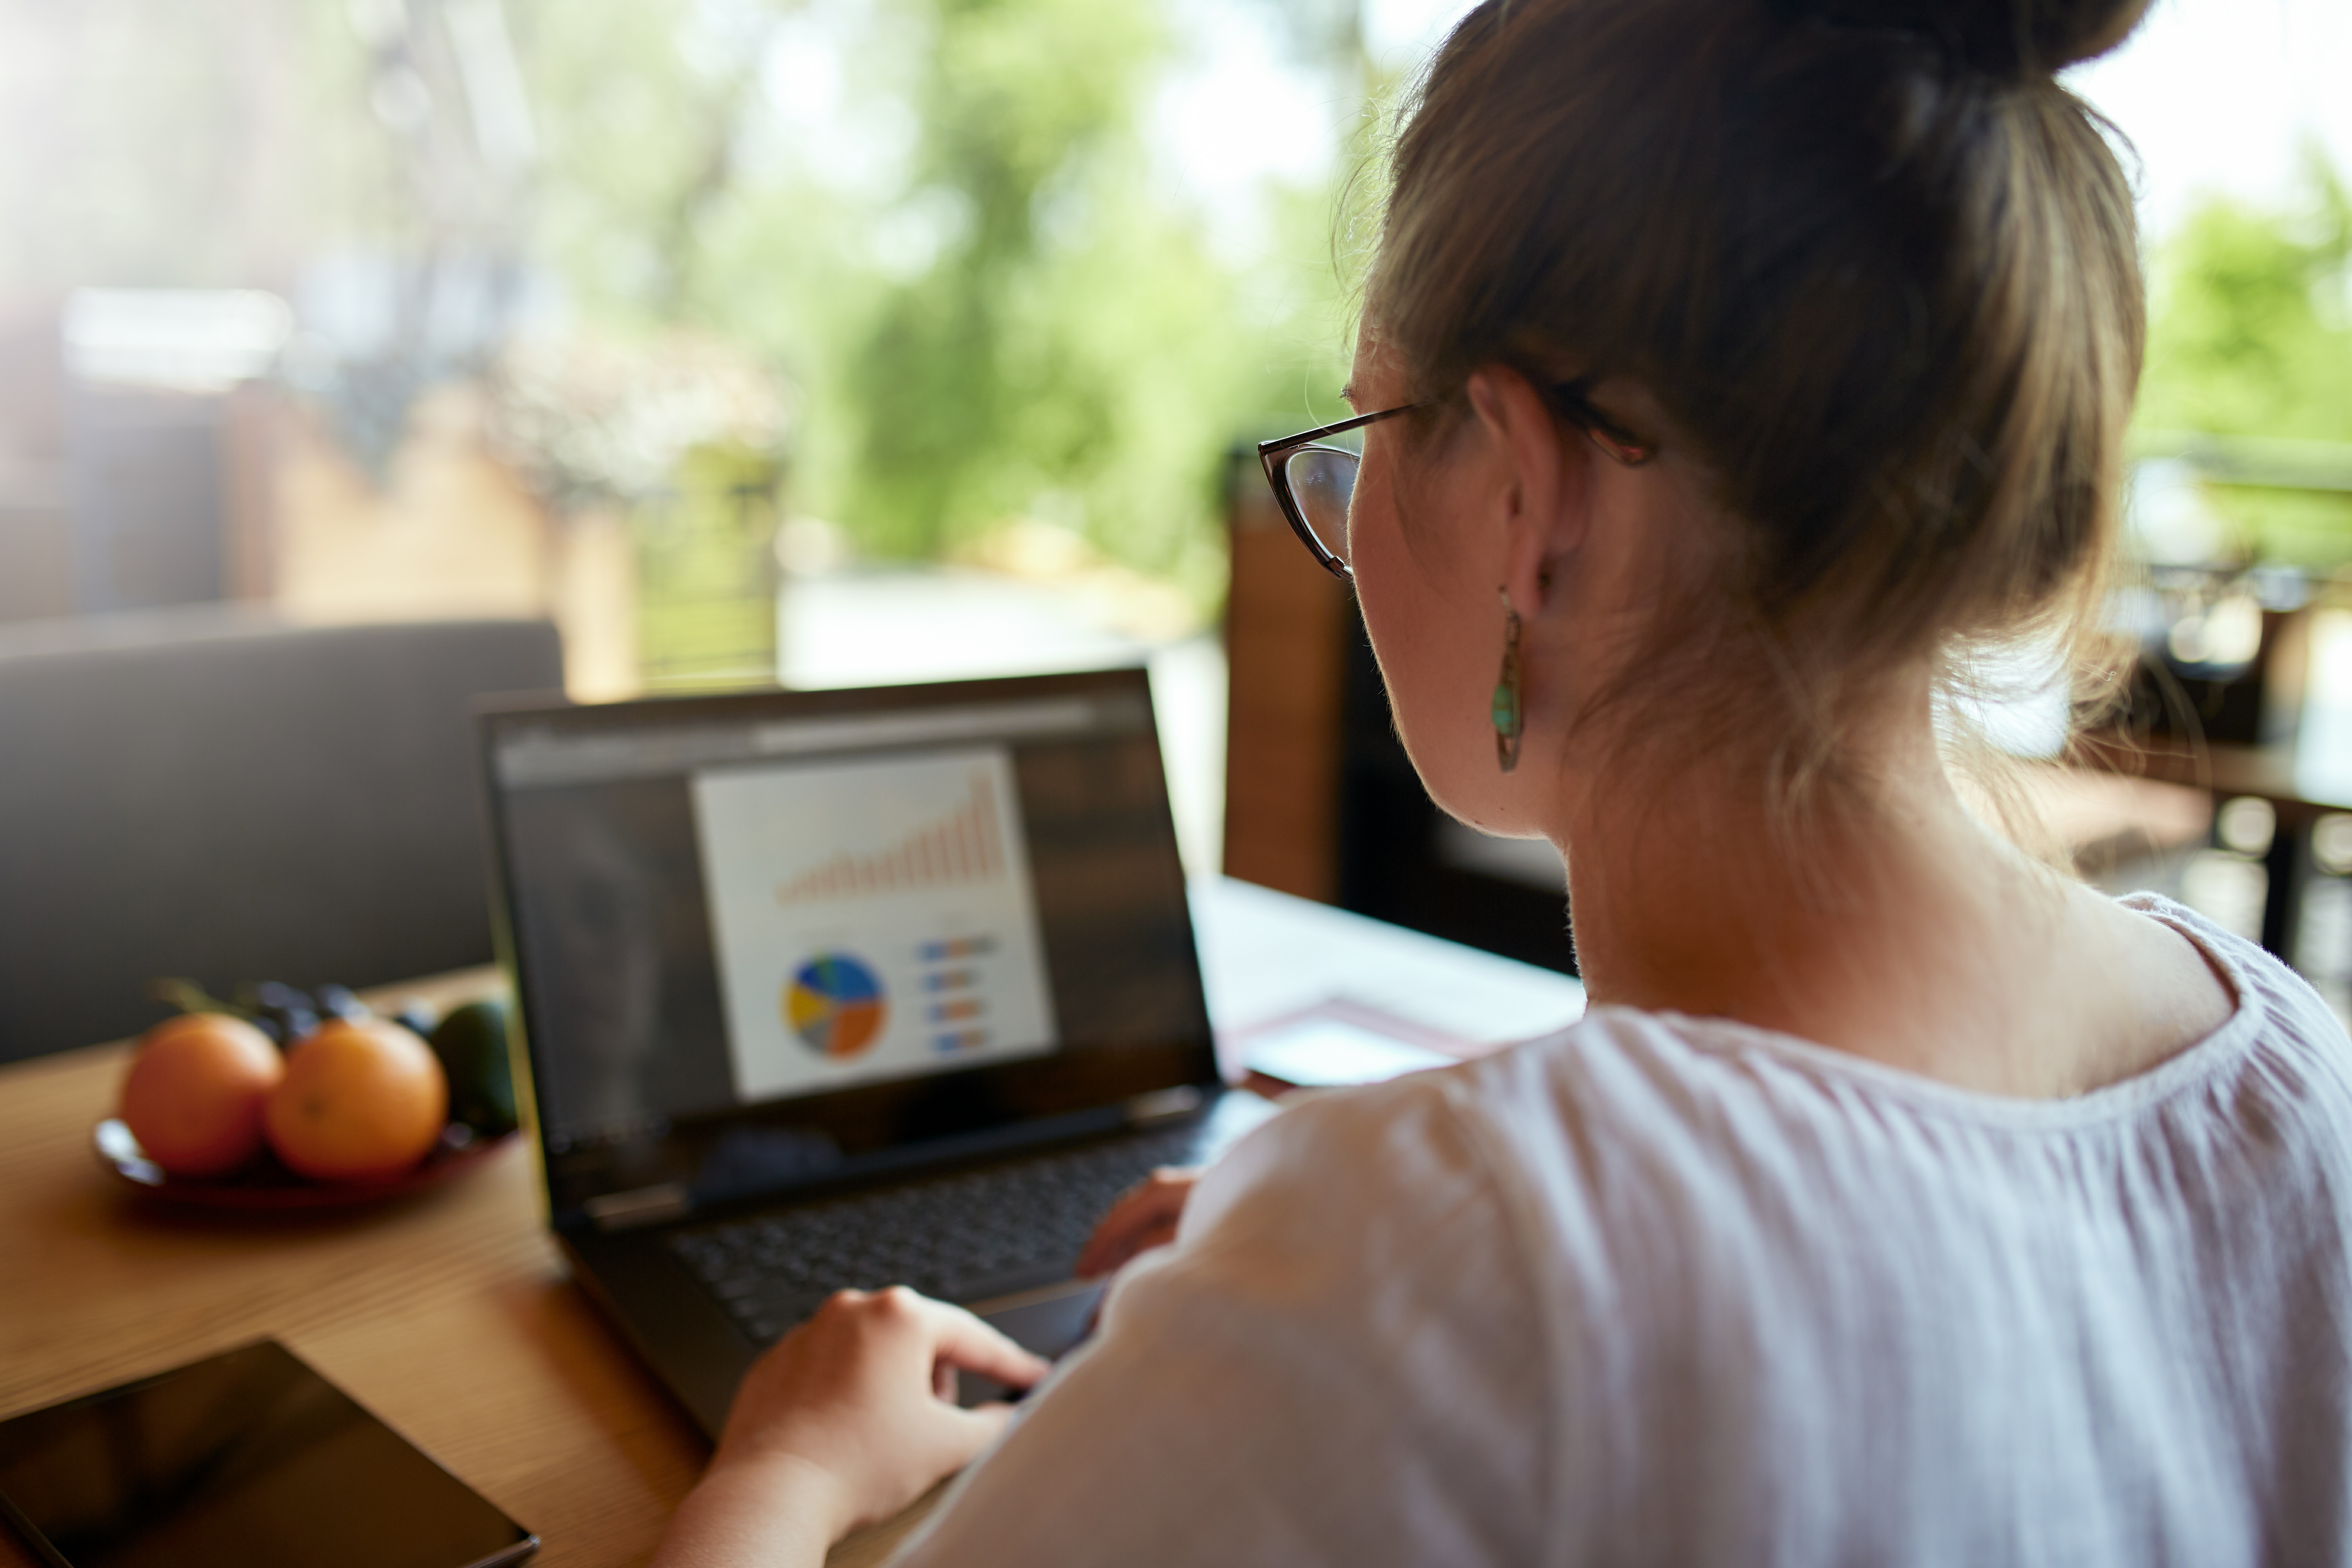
[[218, 794]]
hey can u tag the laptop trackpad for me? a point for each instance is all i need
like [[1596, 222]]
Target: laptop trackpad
[[1048, 1321]]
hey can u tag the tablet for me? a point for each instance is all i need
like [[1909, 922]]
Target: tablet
[[250, 1457]]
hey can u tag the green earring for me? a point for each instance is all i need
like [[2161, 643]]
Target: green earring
[[1509, 712]]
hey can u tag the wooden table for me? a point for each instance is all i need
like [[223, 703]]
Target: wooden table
[[449, 1313]]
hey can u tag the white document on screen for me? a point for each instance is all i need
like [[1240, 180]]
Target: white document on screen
[[873, 919]]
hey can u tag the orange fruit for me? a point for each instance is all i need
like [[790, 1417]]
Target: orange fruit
[[194, 1093], [362, 1099]]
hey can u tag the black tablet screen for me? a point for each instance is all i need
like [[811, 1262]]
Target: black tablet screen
[[250, 1457]]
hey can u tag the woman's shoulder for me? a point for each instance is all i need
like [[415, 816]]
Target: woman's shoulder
[[1484, 1161], [1631, 1118], [2279, 1004], [1382, 1160]]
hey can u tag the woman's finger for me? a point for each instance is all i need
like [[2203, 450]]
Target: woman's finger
[[1143, 1217], [1151, 1202], [862, 1396], [1124, 1233], [960, 1340], [1143, 1241]]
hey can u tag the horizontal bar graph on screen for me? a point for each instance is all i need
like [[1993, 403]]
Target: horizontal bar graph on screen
[[965, 847], [962, 947]]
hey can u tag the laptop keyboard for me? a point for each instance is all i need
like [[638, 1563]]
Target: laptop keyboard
[[961, 1237]]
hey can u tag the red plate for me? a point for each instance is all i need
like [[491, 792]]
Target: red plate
[[267, 1185]]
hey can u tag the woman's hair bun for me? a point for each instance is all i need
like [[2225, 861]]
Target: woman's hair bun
[[2013, 39]]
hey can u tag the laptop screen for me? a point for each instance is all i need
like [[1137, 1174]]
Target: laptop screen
[[759, 937]]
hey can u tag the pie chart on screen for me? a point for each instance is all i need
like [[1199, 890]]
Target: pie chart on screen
[[835, 1004]]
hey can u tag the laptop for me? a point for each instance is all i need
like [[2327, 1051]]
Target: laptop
[[849, 988]]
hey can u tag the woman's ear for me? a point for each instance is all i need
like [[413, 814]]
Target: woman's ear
[[1539, 481]]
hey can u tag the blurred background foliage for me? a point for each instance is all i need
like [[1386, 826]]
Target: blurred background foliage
[[952, 226], [944, 222], [2250, 337], [943, 219]]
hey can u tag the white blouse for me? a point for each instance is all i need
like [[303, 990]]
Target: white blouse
[[1663, 1289]]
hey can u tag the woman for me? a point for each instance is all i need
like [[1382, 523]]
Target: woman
[[1729, 369]]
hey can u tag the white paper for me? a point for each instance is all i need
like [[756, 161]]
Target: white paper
[[1324, 1053]]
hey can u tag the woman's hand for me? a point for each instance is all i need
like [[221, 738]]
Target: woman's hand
[[1144, 1218], [850, 1417]]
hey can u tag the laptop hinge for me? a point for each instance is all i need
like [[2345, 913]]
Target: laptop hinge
[[1163, 1105], [626, 1211]]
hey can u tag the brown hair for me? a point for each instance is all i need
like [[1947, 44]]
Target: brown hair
[[1877, 267]]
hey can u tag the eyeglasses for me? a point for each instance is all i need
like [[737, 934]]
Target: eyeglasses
[[1315, 483]]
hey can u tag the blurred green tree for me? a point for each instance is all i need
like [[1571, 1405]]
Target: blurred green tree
[[976, 386], [996, 303], [2251, 336]]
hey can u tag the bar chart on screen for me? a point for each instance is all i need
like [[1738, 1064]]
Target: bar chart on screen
[[872, 918], [965, 847]]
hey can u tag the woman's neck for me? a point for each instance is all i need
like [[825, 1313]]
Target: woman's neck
[[1881, 918]]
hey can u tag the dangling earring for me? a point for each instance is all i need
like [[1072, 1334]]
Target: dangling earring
[[1509, 712]]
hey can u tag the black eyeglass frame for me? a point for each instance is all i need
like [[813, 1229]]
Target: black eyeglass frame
[[1570, 400]]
